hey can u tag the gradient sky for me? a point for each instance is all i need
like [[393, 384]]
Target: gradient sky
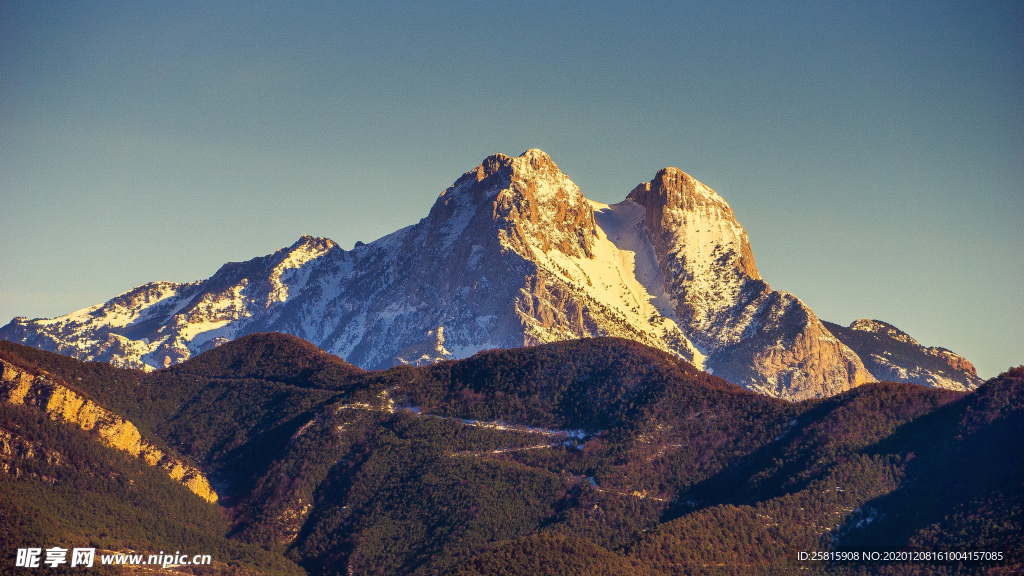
[[874, 151]]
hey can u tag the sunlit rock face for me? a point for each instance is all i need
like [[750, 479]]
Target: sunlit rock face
[[511, 254], [754, 336], [41, 392], [892, 355]]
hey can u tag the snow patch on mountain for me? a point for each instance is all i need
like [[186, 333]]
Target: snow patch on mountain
[[511, 254]]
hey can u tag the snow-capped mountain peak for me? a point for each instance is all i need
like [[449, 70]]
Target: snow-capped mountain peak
[[511, 254]]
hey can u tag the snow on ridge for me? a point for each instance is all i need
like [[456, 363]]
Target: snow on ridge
[[214, 312], [548, 181], [345, 305], [623, 225], [632, 288], [207, 331], [78, 316], [116, 313], [388, 243], [456, 225], [705, 250], [293, 272], [546, 265]]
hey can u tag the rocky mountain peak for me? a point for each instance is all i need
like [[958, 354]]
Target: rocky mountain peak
[[497, 172], [681, 211], [963, 372], [313, 244], [672, 188], [511, 254], [529, 201], [762, 339], [891, 354], [539, 161]]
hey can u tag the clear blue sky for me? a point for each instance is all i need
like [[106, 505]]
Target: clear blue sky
[[873, 150]]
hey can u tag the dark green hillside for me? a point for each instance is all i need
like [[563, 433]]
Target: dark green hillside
[[550, 554], [826, 432], [964, 483], [597, 456], [232, 428], [592, 384], [60, 487], [275, 357], [117, 389], [498, 484], [413, 497]]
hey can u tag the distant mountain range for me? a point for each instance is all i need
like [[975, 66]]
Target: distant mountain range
[[598, 456], [511, 255]]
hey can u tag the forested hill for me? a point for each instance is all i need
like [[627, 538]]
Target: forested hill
[[598, 456]]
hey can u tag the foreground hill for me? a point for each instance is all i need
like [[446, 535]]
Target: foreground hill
[[596, 456], [511, 255]]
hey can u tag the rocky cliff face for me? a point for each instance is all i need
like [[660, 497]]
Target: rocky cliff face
[[892, 355], [62, 404], [511, 254], [752, 335]]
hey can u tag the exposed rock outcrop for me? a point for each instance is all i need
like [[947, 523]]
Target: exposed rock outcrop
[[62, 404], [892, 355], [752, 335]]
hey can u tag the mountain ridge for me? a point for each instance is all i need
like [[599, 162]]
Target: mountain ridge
[[511, 254]]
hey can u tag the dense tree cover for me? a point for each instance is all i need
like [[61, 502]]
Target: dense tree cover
[[116, 389], [551, 554], [827, 431], [590, 457], [411, 503], [238, 427], [275, 357], [73, 492], [763, 537], [965, 475], [591, 384]]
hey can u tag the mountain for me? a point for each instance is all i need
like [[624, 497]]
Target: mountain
[[891, 354], [511, 254], [590, 456]]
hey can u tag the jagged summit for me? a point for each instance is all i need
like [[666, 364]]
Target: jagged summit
[[496, 172], [524, 202], [955, 361], [511, 254], [681, 210], [892, 354], [313, 243], [762, 339]]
